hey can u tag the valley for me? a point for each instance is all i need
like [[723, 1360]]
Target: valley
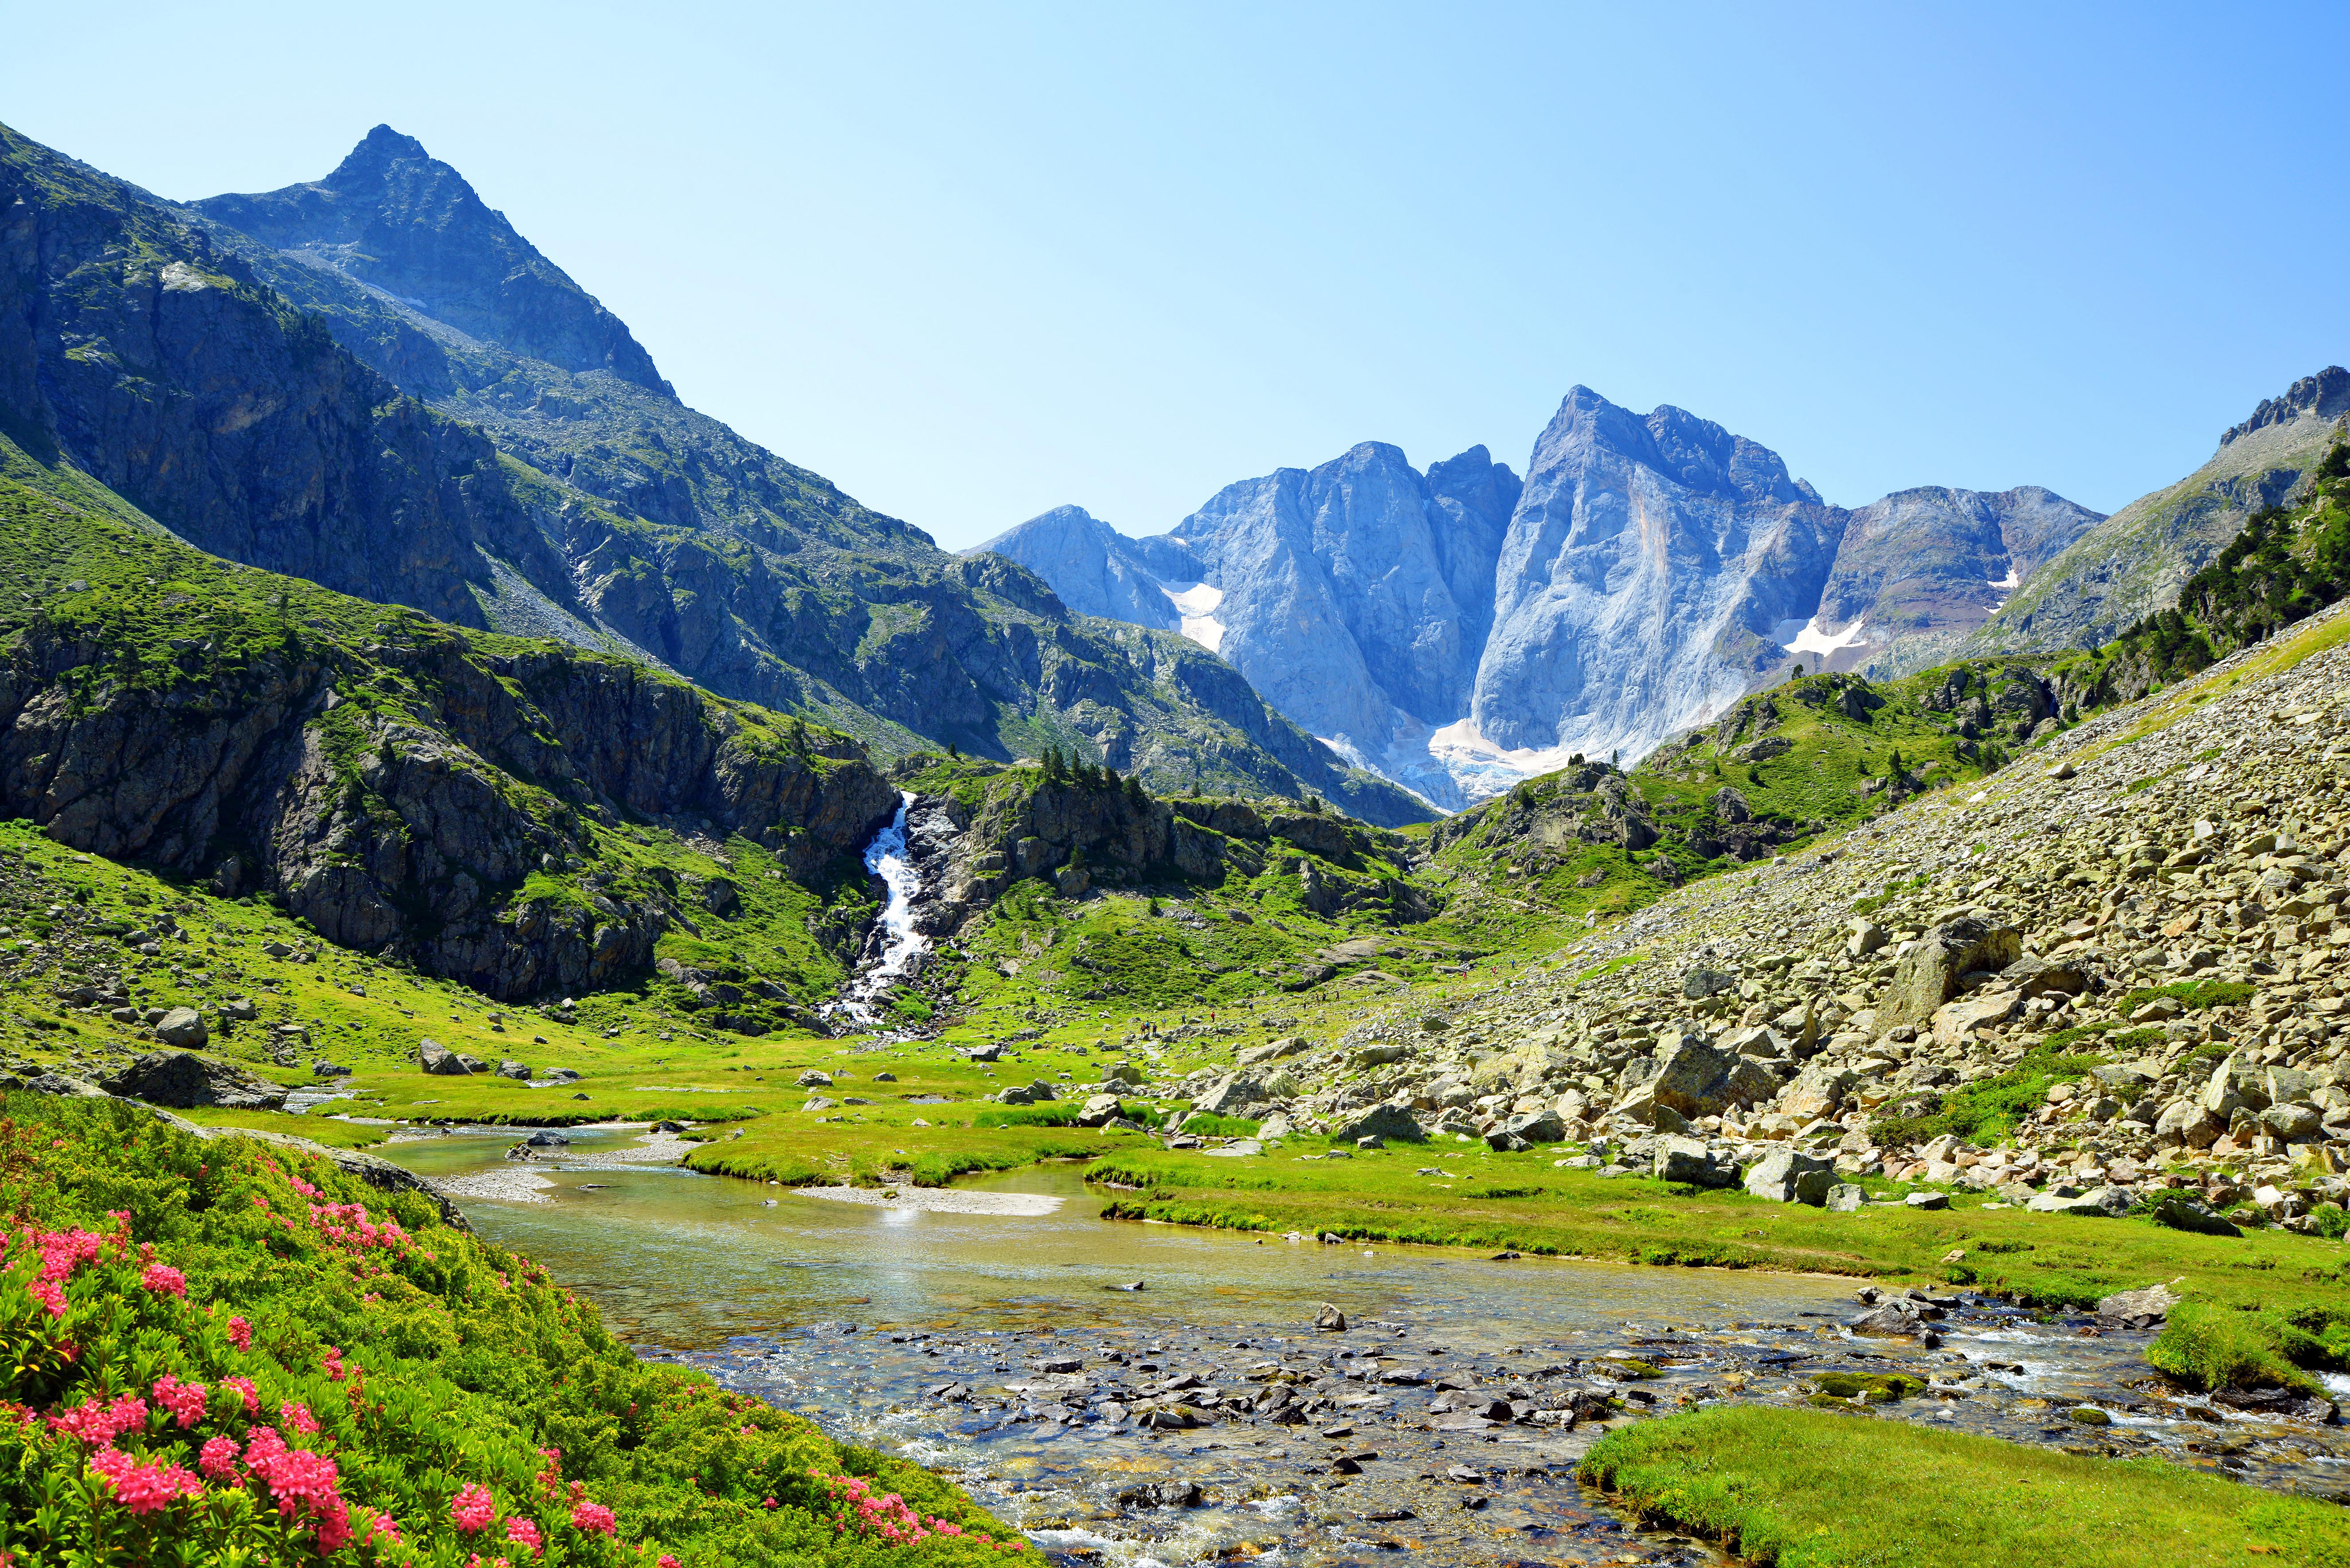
[[1560, 1019]]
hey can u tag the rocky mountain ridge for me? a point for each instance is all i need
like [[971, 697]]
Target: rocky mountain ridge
[[249, 397], [1463, 629]]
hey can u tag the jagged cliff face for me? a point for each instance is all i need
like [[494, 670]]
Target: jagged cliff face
[[1356, 596], [548, 482], [1643, 569], [1460, 631], [2135, 562]]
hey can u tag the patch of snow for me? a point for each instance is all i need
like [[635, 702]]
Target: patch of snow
[[2008, 581], [1196, 603], [1814, 640], [1468, 755]]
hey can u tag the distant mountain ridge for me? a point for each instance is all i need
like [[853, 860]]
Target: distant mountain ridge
[[1461, 629]]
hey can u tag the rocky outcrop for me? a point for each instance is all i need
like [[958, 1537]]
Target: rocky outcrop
[[181, 1080], [410, 826]]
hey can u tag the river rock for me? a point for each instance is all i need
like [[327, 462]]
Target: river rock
[[2139, 1309], [518, 1071], [1330, 1320], [183, 1080], [1099, 1110]]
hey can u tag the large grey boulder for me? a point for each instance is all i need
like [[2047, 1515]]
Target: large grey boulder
[[1787, 1175], [1697, 1080], [1928, 975], [2139, 1309], [1098, 1111], [181, 1080], [436, 1058], [2097, 1204], [1688, 1161], [1524, 1131], [1381, 1121], [1232, 1095], [183, 1027]]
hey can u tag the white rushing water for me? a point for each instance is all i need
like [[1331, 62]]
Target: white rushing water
[[902, 944]]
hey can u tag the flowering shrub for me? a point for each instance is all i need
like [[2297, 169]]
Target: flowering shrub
[[160, 1296]]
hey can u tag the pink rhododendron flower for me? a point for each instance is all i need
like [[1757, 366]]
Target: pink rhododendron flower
[[524, 1533], [331, 1359], [472, 1507], [240, 1333], [381, 1525], [164, 1280], [186, 1401], [297, 1418], [244, 1386], [49, 1295], [218, 1459], [143, 1488], [593, 1518], [98, 1425]]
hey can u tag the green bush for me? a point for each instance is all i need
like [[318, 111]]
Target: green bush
[[1992, 1108], [2207, 1347], [223, 1351]]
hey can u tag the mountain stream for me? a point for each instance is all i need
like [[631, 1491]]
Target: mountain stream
[[993, 1331]]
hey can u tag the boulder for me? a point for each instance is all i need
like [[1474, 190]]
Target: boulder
[[1784, 1176], [1699, 984], [2180, 1212], [1231, 1095], [991, 1051], [813, 1078], [518, 1071], [1382, 1121], [2186, 1123], [1697, 1080], [2238, 1082], [1846, 1198], [182, 1080], [434, 1057], [1330, 1320], [2046, 977], [1818, 1091], [2097, 1204], [1688, 1161], [1956, 1023], [1863, 937], [183, 1027], [1928, 975], [1098, 1111], [2140, 1309]]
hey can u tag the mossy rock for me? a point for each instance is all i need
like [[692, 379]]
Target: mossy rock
[[1848, 1387]]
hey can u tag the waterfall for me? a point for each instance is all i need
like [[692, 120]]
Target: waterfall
[[902, 944]]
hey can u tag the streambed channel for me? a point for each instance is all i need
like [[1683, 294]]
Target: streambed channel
[[1002, 1349]]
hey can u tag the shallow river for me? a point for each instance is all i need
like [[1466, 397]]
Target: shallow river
[[903, 1327]]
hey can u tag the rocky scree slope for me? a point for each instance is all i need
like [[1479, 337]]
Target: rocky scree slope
[[627, 520], [2133, 563], [2112, 977], [473, 804], [1461, 630]]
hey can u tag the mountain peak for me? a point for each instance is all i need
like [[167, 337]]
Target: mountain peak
[[378, 147], [399, 221]]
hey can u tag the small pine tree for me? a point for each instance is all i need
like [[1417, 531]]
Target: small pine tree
[[1799, 673], [955, 752], [1135, 794]]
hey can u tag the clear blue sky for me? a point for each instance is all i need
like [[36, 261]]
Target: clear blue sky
[[973, 262]]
